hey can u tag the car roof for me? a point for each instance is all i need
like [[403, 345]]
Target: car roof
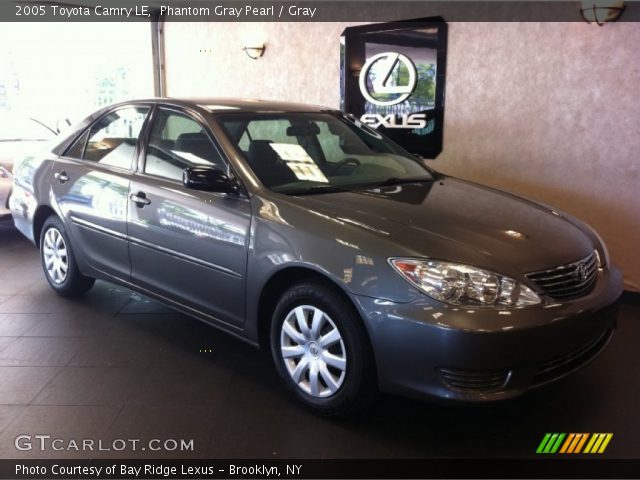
[[212, 105], [230, 105]]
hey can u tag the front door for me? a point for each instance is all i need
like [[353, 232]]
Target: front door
[[189, 246]]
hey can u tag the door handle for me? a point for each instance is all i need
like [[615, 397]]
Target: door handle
[[140, 199], [62, 176]]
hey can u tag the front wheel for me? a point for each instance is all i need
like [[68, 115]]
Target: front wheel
[[321, 350], [59, 265]]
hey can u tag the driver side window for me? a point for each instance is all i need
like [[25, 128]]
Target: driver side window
[[178, 142]]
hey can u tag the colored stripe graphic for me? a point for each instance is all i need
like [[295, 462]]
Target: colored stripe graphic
[[567, 443], [598, 442], [556, 445], [550, 443], [581, 442], [574, 442], [606, 441], [552, 440], [576, 438], [592, 440], [543, 443]]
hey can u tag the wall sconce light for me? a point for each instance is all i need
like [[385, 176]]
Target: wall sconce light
[[255, 52], [601, 11]]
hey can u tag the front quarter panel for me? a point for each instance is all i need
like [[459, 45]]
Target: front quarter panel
[[285, 234]]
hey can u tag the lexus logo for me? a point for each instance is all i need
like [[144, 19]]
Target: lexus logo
[[388, 62], [581, 272]]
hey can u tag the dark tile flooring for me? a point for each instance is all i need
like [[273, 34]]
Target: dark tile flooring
[[116, 365]]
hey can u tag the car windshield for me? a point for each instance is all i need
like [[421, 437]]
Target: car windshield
[[309, 153]]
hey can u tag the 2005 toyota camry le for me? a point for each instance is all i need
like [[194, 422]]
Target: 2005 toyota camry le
[[302, 230]]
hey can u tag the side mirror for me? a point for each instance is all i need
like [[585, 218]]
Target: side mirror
[[209, 179]]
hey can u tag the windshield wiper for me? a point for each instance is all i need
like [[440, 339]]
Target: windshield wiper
[[317, 189], [395, 181]]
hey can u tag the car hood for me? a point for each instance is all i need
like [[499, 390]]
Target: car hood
[[455, 220]]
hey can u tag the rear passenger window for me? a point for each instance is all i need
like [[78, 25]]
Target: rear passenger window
[[112, 139], [178, 142]]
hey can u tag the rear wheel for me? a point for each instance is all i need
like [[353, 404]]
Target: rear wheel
[[58, 262], [321, 350]]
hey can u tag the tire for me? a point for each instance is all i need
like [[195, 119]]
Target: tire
[[335, 391], [56, 254]]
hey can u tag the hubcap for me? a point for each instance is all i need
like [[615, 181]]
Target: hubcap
[[313, 351], [54, 253]]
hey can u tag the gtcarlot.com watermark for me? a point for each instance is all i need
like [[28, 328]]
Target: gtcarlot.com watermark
[[44, 443]]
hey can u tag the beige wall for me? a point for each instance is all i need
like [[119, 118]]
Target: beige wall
[[550, 111]]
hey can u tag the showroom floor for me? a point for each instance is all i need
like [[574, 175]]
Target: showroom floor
[[117, 365]]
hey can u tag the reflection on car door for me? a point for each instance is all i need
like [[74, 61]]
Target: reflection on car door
[[187, 245], [91, 186]]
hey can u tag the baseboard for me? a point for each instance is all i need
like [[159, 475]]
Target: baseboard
[[631, 298]]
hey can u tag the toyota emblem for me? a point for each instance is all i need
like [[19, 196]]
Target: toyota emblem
[[581, 272]]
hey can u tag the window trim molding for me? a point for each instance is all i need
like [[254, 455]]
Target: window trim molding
[[143, 160], [145, 136], [87, 130]]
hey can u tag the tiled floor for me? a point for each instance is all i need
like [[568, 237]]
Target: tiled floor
[[115, 365]]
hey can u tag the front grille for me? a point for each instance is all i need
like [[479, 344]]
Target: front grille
[[567, 281], [562, 366], [475, 381]]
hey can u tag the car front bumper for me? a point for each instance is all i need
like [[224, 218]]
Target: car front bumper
[[429, 349]]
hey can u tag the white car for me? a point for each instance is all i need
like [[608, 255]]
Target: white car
[[18, 137], [6, 183]]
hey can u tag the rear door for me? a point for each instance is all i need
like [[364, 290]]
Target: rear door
[[91, 186], [189, 246]]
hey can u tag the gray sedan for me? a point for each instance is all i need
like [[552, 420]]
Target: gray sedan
[[301, 230]]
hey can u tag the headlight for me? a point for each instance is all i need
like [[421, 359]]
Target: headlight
[[463, 285], [601, 249]]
